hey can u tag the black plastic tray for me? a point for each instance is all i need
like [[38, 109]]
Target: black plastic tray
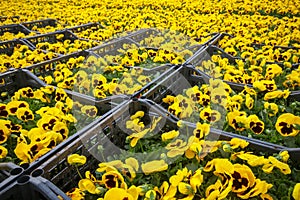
[[9, 172], [7, 47], [47, 67], [13, 18], [32, 187], [50, 37], [40, 23], [15, 80], [14, 28], [112, 47], [83, 27], [11, 81], [257, 46], [142, 34], [182, 77], [214, 38], [107, 132], [205, 54], [185, 77]]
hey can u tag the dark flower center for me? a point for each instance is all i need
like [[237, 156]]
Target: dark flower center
[[238, 181], [286, 128]]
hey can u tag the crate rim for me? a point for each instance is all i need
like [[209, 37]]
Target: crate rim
[[71, 55], [84, 25], [17, 41], [39, 20]]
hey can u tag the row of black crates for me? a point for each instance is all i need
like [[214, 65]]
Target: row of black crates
[[108, 48], [54, 166], [58, 176], [15, 79], [201, 52], [27, 27]]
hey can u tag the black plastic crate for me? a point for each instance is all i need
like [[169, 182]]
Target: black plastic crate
[[84, 27], [143, 34], [13, 18], [107, 132], [9, 172], [184, 78], [97, 32], [33, 187], [50, 37], [14, 80], [47, 67], [108, 137], [180, 78], [265, 147], [7, 47], [220, 37], [11, 81], [257, 46], [207, 52], [40, 24], [195, 49], [112, 47], [214, 37], [205, 55], [14, 28], [140, 35], [175, 82]]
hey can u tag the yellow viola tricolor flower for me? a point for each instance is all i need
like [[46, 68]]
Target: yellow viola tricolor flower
[[76, 159]]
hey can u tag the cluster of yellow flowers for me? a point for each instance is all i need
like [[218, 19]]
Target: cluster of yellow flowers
[[34, 121], [64, 45], [187, 166], [239, 71], [108, 75], [252, 111], [11, 36], [22, 57]]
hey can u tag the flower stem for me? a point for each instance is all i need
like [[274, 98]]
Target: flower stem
[[141, 146], [78, 172]]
